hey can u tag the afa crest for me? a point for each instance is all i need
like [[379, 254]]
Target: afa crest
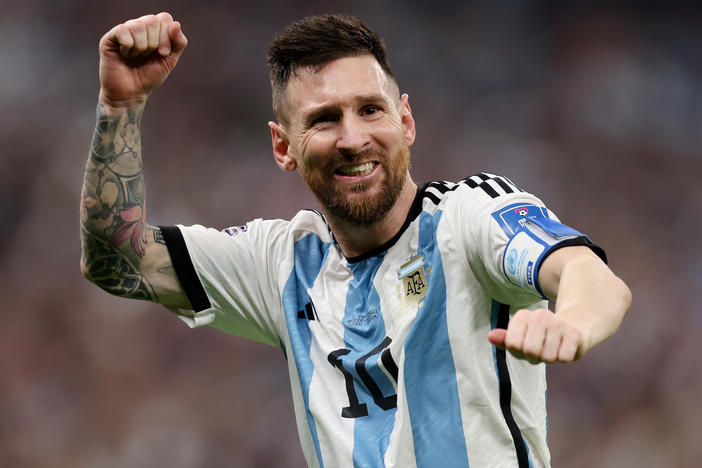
[[413, 281]]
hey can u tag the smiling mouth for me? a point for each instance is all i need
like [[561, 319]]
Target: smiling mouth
[[356, 170]]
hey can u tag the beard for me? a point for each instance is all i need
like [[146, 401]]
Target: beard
[[354, 207]]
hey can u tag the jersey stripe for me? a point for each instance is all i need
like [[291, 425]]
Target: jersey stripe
[[429, 370], [500, 319], [365, 337], [310, 253]]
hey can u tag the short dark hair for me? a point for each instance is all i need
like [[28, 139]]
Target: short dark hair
[[315, 41]]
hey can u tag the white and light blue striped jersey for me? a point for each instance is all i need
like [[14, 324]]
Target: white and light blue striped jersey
[[388, 354]]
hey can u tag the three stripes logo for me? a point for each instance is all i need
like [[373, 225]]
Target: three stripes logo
[[493, 185], [309, 312]]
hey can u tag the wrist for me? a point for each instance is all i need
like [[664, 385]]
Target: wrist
[[117, 106]]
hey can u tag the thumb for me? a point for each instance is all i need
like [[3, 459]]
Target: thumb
[[497, 337]]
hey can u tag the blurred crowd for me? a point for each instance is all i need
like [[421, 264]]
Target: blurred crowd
[[594, 106]]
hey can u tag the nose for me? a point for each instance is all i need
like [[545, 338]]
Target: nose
[[353, 136]]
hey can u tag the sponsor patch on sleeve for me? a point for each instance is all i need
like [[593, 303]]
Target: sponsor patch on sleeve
[[514, 217], [521, 259]]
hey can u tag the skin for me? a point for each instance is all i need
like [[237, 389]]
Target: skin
[[339, 118], [346, 114], [590, 305], [121, 253]]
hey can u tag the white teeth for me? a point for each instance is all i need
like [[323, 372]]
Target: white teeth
[[361, 169]]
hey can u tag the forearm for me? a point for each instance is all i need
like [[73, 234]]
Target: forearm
[[113, 205], [592, 299]]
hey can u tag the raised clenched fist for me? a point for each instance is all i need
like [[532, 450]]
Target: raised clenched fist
[[137, 56]]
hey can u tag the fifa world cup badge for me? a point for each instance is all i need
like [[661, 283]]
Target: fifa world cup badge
[[413, 281]]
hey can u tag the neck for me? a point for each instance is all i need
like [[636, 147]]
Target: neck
[[355, 239]]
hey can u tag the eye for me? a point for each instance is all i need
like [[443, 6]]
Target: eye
[[370, 110], [324, 118]]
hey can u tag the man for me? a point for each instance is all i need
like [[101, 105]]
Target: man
[[395, 305]]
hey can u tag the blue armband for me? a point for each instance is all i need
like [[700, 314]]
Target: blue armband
[[532, 235]]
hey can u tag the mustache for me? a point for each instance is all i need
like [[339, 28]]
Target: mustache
[[367, 154]]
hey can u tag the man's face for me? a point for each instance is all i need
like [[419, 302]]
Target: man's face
[[349, 134]]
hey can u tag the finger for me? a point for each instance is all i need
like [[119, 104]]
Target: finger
[[119, 39], [516, 330], [497, 337], [572, 341], [164, 41], [540, 323], [178, 39], [534, 338], [137, 29], [153, 26], [552, 344]]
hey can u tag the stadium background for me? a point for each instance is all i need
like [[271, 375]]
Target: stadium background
[[595, 106]]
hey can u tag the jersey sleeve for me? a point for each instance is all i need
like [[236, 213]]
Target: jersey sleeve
[[506, 234], [229, 277]]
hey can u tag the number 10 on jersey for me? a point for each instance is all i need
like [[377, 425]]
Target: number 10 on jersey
[[356, 409]]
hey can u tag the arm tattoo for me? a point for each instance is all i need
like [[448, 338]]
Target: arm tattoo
[[113, 206], [113, 271]]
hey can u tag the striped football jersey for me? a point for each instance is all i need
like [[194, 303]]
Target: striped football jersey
[[387, 352]]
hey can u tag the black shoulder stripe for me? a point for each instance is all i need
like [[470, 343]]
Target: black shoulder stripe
[[487, 188], [185, 270], [470, 182], [436, 200], [503, 184], [492, 185], [435, 191], [439, 186]]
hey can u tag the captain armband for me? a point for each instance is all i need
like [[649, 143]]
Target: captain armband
[[532, 235]]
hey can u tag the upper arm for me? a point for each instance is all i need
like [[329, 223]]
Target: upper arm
[[146, 274]]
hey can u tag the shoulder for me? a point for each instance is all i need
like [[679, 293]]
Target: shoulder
[[482, 189], [307, 222], [261, 233]]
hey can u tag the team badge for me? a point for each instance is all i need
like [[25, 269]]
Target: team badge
[[413, 281]]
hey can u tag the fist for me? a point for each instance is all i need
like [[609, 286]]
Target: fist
[[540, 336], [137, 56]]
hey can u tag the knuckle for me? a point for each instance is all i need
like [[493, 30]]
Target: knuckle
[[573, 334], [541, 316], [511, 342], [548, 359], [531, 350], [521, 314]]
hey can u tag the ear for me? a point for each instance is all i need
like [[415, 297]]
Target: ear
[[281, 148], [407, 119]]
